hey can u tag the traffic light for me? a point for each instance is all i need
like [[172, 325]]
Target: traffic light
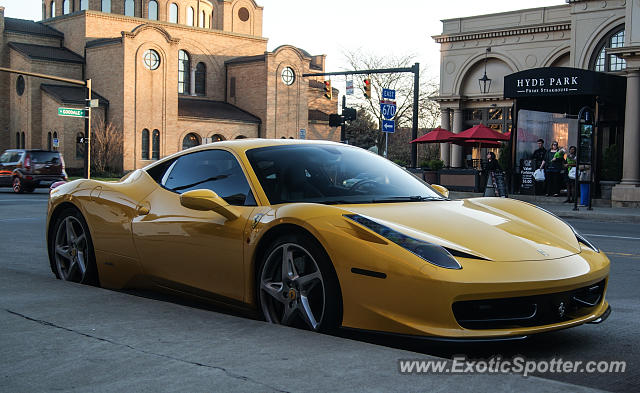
[[367, 88], [327, 89]]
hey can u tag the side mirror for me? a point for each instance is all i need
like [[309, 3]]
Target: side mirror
[[442, 190], [208, 200]]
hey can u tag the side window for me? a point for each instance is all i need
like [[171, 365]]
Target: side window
[[216, 170]]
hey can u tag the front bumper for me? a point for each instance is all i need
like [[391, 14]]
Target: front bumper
[[418, 299]]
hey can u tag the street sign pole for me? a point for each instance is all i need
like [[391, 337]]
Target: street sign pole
[[386, 144], [343, 131], [87, 133]]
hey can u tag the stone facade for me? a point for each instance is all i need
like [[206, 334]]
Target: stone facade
[[571, 35], [208, 76]]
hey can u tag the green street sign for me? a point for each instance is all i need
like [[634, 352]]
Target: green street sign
[[71, 112]]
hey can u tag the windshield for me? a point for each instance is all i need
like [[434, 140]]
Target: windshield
[[335, 174]]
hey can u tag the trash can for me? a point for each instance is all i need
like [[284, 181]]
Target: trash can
[[584, 194]]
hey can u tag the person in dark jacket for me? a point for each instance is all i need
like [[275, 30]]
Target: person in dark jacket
[[553, 167], [538, 161]]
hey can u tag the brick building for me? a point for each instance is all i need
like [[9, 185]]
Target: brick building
[[168, 73]]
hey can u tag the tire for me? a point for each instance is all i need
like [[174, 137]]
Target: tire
[[71, 251], [308, 295], [17, 185]]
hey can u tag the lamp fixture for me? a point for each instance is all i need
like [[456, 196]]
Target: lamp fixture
[[485, 82]]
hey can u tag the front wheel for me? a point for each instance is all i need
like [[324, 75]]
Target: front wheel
[[298, 286], [71, 249]]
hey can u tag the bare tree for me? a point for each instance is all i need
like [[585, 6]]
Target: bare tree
[[106, 146], [402, 83]]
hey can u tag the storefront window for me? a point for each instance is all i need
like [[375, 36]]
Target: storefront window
[[549, 127]]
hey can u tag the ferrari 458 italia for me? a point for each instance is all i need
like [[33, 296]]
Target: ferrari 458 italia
[[322, 235]]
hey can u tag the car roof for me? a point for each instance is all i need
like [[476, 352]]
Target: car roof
[[242, 145]]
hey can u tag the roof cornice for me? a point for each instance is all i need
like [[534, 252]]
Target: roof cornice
[[444, 38]]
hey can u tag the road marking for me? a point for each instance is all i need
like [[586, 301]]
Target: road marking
[[615, 237], [21, 219], [23, 200], [622, 254]]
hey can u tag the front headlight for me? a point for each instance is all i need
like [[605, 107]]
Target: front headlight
[[579, 237], [432, 253]]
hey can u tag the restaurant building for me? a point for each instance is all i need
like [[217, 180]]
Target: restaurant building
[[534, 71], [170, 74]]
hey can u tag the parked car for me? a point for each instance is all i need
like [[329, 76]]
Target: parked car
[[24, 169], [317, 234]]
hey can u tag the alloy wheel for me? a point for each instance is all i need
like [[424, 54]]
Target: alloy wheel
[[292, 289], [71, 250]]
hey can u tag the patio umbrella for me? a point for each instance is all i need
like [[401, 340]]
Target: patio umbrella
[[477, 143], [437, 135], [481, 133]]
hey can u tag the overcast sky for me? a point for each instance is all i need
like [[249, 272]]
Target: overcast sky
[[332, 27]]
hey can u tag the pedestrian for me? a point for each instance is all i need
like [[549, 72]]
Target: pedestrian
[[492, 166], [538, 161], [553, 166], [571, 182]]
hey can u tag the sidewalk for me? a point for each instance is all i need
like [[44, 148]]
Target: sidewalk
[[601, 209]]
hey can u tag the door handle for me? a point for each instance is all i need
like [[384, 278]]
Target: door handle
[[142, 210]]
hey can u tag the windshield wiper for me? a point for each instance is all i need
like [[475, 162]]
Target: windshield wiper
[[411, 198]]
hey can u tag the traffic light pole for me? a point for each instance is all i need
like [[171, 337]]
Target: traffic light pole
[[415, 69]]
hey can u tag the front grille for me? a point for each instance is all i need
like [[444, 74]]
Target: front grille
[[527, 311]]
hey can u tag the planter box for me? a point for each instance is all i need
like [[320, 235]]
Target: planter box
[[431, 177], [460, 179]]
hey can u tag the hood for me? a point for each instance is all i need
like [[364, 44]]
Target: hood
[[496, 229]]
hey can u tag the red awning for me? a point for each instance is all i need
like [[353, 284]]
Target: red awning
[[481, 133], [437, 135]]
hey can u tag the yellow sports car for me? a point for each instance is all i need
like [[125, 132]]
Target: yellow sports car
[[319, 235]]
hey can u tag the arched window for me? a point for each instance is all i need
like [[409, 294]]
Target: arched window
[[84, 5], [201, 79], [129, 9], [190, 16], [79, 146], [190, 140], [53, 9], [66, 6], [49, 140], [153, 10], [201, 21], [217, 138], [602, 62], [184, 68], [17, 140], [144, 147], [155, 145], [240, 137], [173, 13], [22, 144], [106, 6]]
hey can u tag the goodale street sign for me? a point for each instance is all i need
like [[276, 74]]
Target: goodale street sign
[[71, 112]]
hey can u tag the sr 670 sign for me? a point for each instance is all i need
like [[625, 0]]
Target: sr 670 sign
[[387, 109]]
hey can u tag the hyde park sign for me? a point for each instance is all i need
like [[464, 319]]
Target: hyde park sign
[[556, 81]]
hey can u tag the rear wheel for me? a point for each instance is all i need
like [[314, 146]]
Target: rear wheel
[[18, 186], [298, 286], [71, 249]]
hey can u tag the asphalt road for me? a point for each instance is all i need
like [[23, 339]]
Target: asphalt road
[[23, 259]]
